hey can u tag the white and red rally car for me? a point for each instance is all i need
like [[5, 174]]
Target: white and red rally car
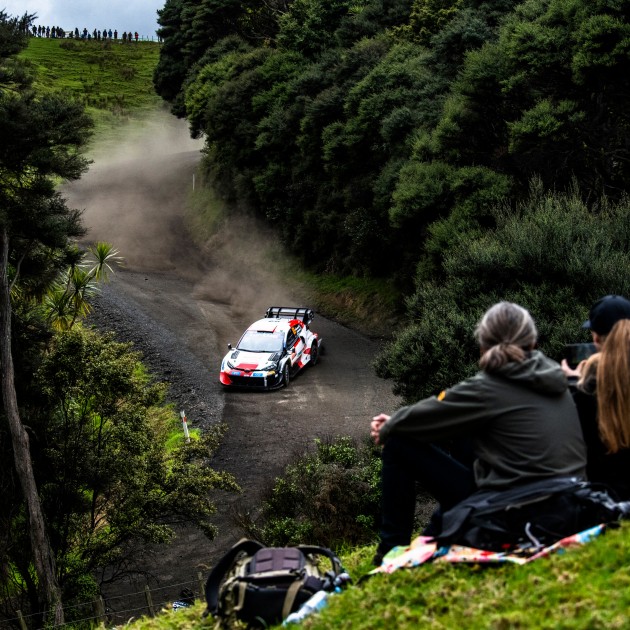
[[272, 350]]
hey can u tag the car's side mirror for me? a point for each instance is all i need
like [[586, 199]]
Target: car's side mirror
[[229, 346]]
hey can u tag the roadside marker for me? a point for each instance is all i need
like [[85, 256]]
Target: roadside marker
[[185, 424]]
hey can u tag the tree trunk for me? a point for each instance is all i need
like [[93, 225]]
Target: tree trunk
[[43, 558]]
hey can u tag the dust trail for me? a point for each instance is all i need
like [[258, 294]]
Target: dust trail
[[134, 196], [134, 193], [248, 270]]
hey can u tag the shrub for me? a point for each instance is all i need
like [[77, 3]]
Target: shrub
[[329, 496], [553, 253]]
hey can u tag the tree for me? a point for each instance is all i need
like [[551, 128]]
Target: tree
[[113, 478], [189, 28], [42, 135], [67, 299]]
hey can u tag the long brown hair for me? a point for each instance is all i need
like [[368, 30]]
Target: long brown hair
[[505, 334], [613, 388]]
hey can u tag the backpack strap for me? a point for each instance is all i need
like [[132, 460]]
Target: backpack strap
[[289, 598], [249, 547], [323, 551]]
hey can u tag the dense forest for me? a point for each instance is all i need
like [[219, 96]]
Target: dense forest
[[464, 150]]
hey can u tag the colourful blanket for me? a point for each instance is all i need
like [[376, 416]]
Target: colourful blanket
[[424, 549]]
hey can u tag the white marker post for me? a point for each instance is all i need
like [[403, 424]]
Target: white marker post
[[185, 424]]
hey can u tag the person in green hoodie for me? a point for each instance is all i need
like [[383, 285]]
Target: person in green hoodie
[[516, 416]]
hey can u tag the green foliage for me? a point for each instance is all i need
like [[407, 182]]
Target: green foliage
[[190, 29], [429, 17], [309, 26], [553, 253], [325, 124], [330, 497], [68, 297], [110, 477], [109, 79], [353, 141], [559, 61]]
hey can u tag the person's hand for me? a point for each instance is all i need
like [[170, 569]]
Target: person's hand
[[569, 372], [375, 426]]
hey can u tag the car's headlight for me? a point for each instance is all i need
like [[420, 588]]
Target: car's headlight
[[230, 365]]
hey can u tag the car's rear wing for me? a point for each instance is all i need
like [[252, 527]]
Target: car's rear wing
[[291, 312]]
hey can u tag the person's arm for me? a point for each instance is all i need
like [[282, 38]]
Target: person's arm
[[456, 411], [571, 373], [375, 426]]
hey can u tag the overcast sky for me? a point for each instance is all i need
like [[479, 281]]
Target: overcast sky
[[122, 15]]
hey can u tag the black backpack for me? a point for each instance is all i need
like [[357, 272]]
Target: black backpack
[[260, 586], [529, 516]]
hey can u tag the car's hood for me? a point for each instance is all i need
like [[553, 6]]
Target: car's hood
[[248, 361]]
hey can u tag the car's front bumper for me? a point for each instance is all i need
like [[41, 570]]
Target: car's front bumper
[[250, 380]]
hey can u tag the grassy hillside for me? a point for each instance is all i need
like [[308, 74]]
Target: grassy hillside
[[585, 587], [113, 80]]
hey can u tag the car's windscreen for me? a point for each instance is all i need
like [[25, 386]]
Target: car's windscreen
[[257, 341]]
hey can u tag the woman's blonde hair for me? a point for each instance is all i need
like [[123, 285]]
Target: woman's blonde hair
[[613, 388], [506, 333]]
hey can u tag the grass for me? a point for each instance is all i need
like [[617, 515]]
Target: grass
[[113, 80], [369, 305], [584, 587], [205, 212]]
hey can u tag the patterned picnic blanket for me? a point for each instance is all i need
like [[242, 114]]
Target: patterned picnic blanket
[[425, 549]]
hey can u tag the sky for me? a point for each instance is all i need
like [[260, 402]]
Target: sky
[[122, 15]]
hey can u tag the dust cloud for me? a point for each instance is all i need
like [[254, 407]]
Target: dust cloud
[[248, 273], [134, 196]]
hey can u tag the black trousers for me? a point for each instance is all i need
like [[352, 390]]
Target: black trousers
[[446, 474]]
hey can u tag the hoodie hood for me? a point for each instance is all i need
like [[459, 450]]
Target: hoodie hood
[[537, 372]]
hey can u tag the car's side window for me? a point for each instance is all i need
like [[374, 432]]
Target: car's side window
[[294, 332], [290, 338]]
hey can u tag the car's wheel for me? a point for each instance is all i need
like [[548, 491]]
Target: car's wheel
[[314, 353], [286, 376]]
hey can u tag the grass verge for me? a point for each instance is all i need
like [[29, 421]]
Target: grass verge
[[369, 305], [584, 587]]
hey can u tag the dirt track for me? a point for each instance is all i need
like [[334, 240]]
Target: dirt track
[[181, 305]]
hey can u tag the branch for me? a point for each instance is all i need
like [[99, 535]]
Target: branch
[[18, 265]]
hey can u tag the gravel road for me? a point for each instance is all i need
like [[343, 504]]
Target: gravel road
[[181, 304]]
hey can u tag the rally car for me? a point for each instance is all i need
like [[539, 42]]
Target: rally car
[[272, 350]]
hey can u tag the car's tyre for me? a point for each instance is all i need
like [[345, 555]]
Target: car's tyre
[[286, 376], [314, 354]]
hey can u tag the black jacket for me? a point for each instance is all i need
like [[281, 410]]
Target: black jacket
[[612, 469]]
